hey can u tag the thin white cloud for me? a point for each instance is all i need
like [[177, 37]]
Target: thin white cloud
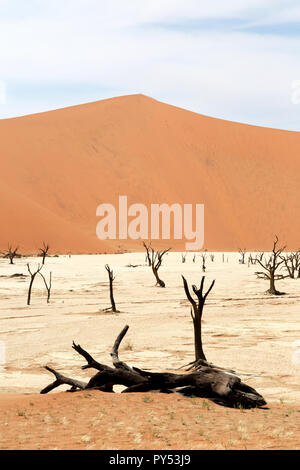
[[133, 11], [235, 75]]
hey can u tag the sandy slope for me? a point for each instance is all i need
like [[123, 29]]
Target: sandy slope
[[57, 167], [99, 421]]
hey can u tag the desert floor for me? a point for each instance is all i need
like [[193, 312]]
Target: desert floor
[[245, 330]]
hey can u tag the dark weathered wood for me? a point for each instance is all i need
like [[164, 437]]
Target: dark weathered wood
[[271, 265], [91, 362], [62, 380], [105, 378], [147, 248], [196, 314], [32, 278], [197, 365], [156, 261], [243, 254], [203, 256], [44, 252], [115, 351], [122, 374], [11, 253], [48, 286], [111, 278], [292, 264], [208, 381]]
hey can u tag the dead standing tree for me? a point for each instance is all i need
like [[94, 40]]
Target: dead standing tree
[[11, 254], [251, 260], [32, 278], [43, 252], [48, 286], [292, 264], [196, 314], [243, 254], [270, 266], [111, 278], [147, 248], [203, 256], [156, 261], [260, 256], [207, 382]]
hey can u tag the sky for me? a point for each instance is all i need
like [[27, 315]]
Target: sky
[[236, 59]]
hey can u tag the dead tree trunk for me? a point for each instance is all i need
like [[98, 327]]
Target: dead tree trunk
[[292, 263], [62, 380], [203, 256], [271, 266], [11, 254], [243, 254], [156, 261], [32, 277], [251, 260], [48, 286], [43, 252], [111, 278], [207, 382], [147, 248], [196, 314]]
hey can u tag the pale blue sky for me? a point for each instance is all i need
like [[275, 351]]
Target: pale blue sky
[[234, 59]]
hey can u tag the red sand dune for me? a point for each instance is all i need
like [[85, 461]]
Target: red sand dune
[[58, 166]]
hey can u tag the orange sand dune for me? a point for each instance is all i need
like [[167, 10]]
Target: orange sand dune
[[57, 167]]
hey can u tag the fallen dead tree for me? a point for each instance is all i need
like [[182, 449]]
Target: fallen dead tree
[[207, 382]]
